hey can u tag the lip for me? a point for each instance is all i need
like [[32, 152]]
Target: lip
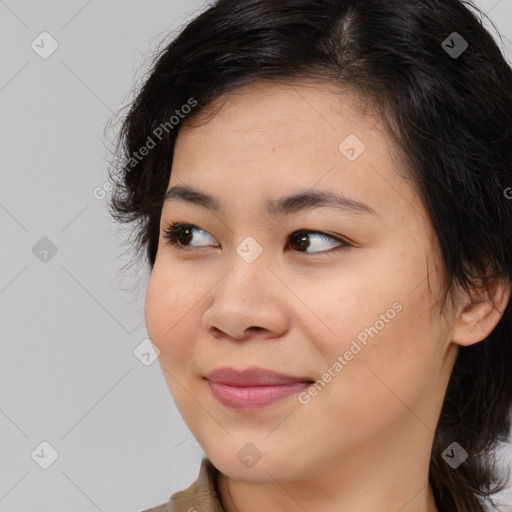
[[253, 387], [252, 376]]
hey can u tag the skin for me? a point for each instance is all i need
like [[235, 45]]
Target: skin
[[364, 441]]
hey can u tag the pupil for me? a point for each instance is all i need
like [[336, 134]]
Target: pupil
[[188, 236], [303, 241]]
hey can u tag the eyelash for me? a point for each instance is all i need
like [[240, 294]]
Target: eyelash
[[172, 233]]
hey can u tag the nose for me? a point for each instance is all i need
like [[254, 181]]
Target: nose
[[248, 302]]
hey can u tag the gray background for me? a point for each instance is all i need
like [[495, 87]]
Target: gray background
[[70, 320]]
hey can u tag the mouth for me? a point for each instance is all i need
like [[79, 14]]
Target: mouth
[[253, 388]]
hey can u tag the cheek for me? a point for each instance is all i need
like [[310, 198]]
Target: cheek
[[171, 315], [351, 309], [401, 364], [155, 309], [163, 309], [385, 379], [382, 326]]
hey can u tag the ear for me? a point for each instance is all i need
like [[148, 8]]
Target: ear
[[476, 316]]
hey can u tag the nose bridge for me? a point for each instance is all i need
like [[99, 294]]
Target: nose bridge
[[249, 273], [250, 250]]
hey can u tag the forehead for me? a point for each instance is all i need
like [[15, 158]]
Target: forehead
[[266, 139], [268, 106], [265, 118]]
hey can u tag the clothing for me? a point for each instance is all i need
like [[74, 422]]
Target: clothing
[[200, 496]]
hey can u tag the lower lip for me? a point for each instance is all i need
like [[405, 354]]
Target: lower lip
[[253, 397]]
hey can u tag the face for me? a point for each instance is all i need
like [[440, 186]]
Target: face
[[335, 295]]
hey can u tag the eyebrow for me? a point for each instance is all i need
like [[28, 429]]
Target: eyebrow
[[304, 200]]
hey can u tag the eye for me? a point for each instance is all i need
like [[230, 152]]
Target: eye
[[182, 234], [302, 240]]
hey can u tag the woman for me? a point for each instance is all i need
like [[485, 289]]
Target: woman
[[323, 191]]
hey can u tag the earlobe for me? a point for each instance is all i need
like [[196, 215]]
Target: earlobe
[[480, 314]]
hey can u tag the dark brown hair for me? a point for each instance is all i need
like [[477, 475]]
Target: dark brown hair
[[444, 91]]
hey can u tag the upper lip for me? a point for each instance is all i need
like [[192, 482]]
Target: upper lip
[[253, 376]]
